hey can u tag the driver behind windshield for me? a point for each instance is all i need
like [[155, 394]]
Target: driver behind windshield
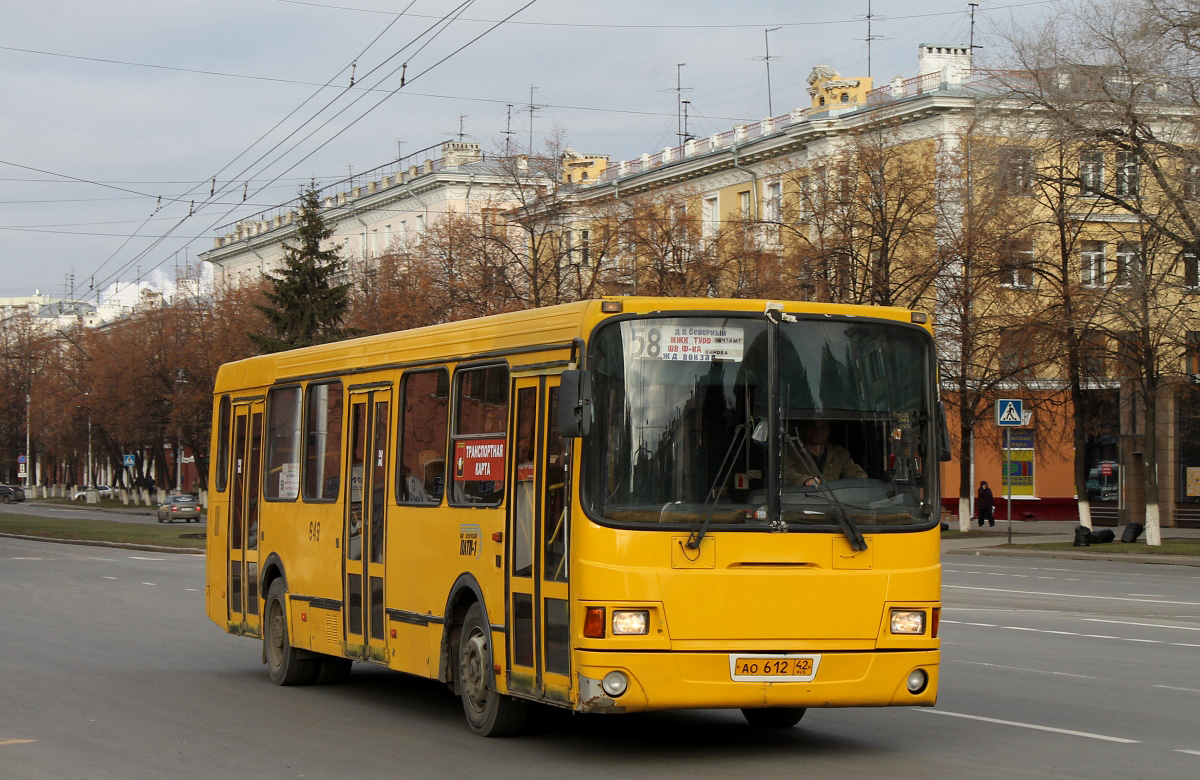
[[832, 461]]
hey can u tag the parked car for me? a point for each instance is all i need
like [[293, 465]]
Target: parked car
[[11, 493], [104, 490], [181, 506]]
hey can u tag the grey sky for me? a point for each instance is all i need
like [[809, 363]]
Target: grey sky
[[105, 107]]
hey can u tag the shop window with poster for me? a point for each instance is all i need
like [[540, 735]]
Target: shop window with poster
[[1188, 423], [1020, 461]]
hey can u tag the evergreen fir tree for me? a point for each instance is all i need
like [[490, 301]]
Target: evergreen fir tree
[[307, 305]]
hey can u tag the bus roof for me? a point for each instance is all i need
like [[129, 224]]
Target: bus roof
[[551, 326]]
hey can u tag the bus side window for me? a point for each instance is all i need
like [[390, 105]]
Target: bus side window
[[282, 481], [222, 475], [323, 441], [421, 464], [480, 420]]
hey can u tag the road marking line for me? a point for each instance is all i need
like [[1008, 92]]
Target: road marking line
[[1176, 688], [1100, 636], [1063, 633], [143, 558], [1033, 726], [1071, 595], [147, 583], [1146, 625], [110, 578], [1189, 752], [1146, 595], [15, 741], [1181, 644], [1020, 628], [1143, 641], [192, 590], [1034, 671]]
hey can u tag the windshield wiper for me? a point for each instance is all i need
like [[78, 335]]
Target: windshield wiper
[[710, 499], [855, 537]]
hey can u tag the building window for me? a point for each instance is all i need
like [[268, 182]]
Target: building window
[[744, 204], [1191, 355], [1091, 262], [773, 201], [709, 219], [1191, 270], [1016, 170], [583, 175], [804, 196], [845, 97], [1128, 173], [1092, 346], [1091, 173], [1191, 181], [1017, 357], [1016, 263], [1129, 262], [585, 247]]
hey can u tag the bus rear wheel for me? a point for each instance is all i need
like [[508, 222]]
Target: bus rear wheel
[[285, 664], [489, 714], [774, 718]]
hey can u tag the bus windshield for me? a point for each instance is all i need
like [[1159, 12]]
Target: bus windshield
[[682, 433]]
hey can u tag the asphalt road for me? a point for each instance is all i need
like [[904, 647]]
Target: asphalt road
[[78, 509], [1050, 669]]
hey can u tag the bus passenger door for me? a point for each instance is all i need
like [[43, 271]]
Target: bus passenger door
[[365, 527], [537, 533], [243, 518]]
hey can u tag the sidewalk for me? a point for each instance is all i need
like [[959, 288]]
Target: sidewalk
[[985, 541], [83, 505]]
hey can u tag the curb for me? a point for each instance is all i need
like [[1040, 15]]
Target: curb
[[1170, 560], [116, 545]]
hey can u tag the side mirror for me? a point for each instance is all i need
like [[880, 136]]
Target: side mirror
[[943, 434], [574, 404]]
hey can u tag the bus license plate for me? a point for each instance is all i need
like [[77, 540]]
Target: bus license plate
[[773, 667]]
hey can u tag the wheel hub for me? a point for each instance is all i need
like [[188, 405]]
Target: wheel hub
[[474, 673]]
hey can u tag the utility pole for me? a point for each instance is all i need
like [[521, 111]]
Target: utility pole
[[508, 132], [680, 103], [767, 59], [870, 17], [532, 108]]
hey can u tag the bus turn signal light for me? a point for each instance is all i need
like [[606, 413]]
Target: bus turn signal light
[[593, 623]]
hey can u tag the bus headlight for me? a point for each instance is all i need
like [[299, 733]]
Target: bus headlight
[[630, 622], [917, 680], [908, 621]]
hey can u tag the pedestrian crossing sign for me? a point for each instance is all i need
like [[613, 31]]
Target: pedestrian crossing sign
[[1008, 412], [127, 460]]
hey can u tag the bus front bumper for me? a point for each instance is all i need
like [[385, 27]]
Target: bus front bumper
[[675, 680]]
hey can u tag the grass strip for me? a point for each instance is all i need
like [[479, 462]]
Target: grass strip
[[1168, 547], [103, 531]]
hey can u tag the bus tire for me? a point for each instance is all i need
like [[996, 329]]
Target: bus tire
[[489, 714], [332, 670], [773, 717], [285, 664]]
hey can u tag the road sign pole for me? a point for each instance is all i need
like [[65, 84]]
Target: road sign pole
[[1008, 470]]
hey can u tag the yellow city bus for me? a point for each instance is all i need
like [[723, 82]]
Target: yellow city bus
[[606, 506]]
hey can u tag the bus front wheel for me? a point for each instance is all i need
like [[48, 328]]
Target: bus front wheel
[[774, 718], [489, 714], [285, 664]]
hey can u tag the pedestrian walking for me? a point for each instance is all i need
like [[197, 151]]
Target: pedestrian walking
[[985, 504]]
